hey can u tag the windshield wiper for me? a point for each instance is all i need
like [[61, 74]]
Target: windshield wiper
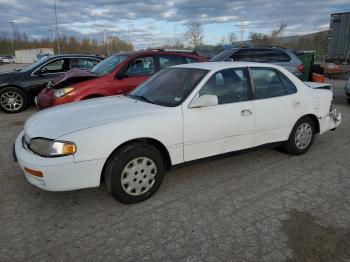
[[143, 98]]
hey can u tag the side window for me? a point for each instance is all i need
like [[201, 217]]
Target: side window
[[229, 85], [267, 83], [170, 60], [288, 85], [190, 60], [141, 66], [53, 67], [261, 55], [83, 63], [246, 55]]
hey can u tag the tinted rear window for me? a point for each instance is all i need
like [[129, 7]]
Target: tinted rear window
[[261, 55], [222, 56]]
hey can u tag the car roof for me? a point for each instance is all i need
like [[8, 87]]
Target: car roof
[[213, 66], [74, 55], [159, 51]]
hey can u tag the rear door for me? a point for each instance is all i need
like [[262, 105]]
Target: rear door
[[278, 105], [136, 72]]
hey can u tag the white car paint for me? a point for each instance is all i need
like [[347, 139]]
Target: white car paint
[[99, 126]]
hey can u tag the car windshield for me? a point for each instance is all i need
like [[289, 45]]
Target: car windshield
[[108, 64], [170, 87], [34, 65], [222, 56]]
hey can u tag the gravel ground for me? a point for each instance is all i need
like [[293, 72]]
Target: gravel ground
[[262, 205]]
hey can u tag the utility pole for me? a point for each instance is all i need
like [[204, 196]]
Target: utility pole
[[104, 35], [12, 26], [242, 26], [128, 33], [57, 36], [175, 36]]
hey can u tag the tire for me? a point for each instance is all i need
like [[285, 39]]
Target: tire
[[134, 173], [348, 99], [17, 105], [297, 144]]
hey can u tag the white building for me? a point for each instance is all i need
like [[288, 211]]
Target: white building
[[28, 56]]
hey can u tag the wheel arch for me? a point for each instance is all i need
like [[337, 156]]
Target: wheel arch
[[151, 141], [315, 120], [15, 86]]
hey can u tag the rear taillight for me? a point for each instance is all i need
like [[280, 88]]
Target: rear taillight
[[301, 68]]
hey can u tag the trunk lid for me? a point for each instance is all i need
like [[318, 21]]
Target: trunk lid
[[316, 85]]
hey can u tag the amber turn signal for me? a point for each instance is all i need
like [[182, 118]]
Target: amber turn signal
[[68, 149], [33, 172]]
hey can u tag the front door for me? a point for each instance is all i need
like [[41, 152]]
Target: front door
[[137, 71], [228, 126], [47, 73]]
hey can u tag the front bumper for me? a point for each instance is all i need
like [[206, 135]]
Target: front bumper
[[44, 100], [60, 173]]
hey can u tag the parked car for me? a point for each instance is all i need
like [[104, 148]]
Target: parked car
[[8, 59], [183, 113], [262, 54], [116, 75], [18, 88], [347, 91]]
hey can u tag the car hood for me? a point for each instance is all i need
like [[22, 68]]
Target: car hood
[[75, 75], [61, 120]]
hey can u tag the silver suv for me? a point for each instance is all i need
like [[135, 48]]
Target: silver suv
[[273, 55]]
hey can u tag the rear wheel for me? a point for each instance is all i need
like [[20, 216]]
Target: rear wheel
[[301, 137], [134, 173], [13, 100], [348, 100]]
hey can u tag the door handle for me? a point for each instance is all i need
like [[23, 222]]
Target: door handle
[[246, 112]]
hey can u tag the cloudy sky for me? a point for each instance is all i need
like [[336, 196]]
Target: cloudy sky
[[152, 22]]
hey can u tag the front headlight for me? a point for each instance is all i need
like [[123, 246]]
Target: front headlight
[[62, 91], [51, 148]]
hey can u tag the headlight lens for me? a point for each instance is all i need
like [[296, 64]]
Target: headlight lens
[[51, 148], [62, 91]]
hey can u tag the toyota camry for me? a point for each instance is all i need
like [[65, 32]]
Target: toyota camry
[[183, 113]]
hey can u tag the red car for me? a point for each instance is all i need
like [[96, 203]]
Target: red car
[[118, 74]]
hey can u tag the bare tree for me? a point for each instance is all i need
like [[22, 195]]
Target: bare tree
[[231, 38], [195, 34], [222, 41], [272, 39]]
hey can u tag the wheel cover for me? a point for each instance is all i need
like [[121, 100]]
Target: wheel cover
[[11, 101], [303, 136], [138, 176]]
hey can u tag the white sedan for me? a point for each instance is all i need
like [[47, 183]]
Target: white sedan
[[183, 113]]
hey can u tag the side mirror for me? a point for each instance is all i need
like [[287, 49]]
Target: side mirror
[[229, 59], [120, 74], [204, 101]]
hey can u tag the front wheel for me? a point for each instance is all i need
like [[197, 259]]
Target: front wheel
[[134, 173], [301, 137], [13, 100]]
